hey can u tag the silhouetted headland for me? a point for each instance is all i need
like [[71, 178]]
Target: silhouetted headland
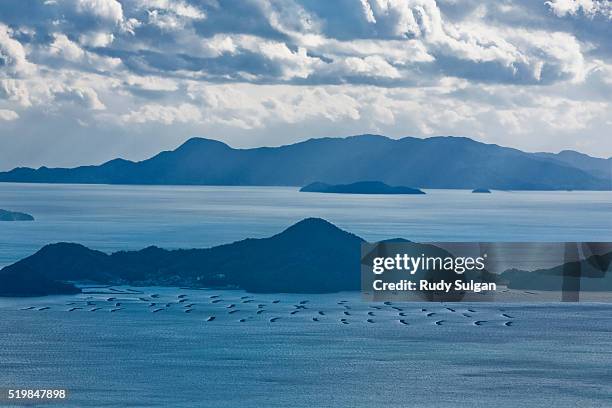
[[21, 280], [311, 256], [14, 216]]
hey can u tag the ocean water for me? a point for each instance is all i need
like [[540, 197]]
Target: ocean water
[[111, 218], [398, 355], [140, 347]]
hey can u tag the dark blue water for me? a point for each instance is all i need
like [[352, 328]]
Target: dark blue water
[[550, 355], [542, 355]]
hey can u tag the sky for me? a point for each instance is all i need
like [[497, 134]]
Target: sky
[[85, 81]]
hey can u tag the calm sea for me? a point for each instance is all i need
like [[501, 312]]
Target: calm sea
[[123, 348], [113, 218], [422, 355]]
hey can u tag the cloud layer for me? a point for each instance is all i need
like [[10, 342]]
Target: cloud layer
[[87, 80]]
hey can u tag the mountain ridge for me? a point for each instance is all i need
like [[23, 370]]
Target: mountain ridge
[[435, 162], [310, 256]]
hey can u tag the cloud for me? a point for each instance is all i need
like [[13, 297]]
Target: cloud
[[7, 115], [151, 83], [176, 7], [16, 91], [293, 64], [66, 53], [379, 41], [530, 74], [96, 39], [105, 10], [588, 8], [371, 66], [166, 115], [84, 96], [171, 14], [12, 54]]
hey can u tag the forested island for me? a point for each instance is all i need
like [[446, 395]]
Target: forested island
[[311, 256], [360, 187]]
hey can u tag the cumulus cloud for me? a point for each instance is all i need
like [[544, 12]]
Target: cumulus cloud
[[295, 42], [64, 52], [371, 66], [16, 91], [12, 54], [107, 10], [151, 83], [83, 96], [588, 8], [7, 115], [96, 39], [171, 14], [275, 71], [164, 114]]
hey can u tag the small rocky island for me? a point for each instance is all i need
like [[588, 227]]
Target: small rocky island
[[14, 216], [360, 187], [481, 190]]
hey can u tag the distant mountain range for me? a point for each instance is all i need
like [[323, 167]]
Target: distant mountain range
[[598, 167], [436, 162], [311, 256]]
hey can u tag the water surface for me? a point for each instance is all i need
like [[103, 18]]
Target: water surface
[[550, 355], [113, 350], [114, 218]]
